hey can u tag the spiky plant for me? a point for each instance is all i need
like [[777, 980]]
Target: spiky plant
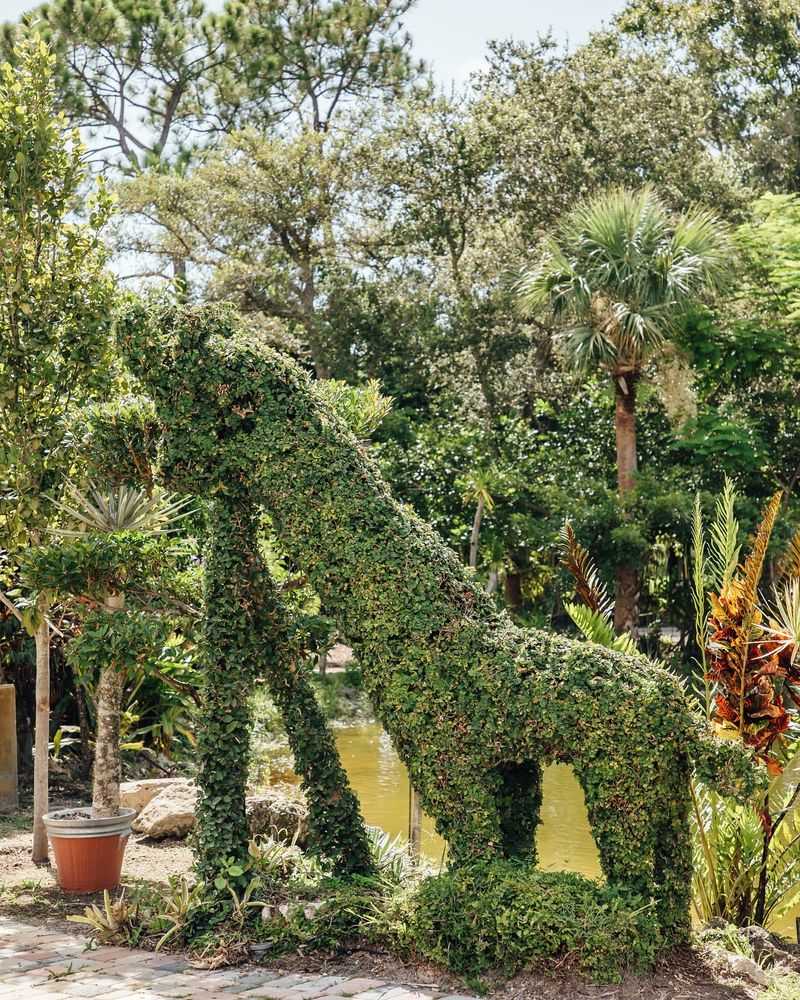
[[749, 662], [362, 407], [615, 278], [121, 508]]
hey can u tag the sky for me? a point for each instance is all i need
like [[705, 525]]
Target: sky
[[451, 35]]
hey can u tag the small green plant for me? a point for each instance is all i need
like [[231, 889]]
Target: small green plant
[[180, 904], [110, 922], [363, 408]]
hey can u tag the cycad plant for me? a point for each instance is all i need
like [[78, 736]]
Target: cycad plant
[[105, 536], [615, 278], [593, 612]]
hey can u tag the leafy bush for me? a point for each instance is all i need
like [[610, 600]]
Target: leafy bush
[[507, 915]]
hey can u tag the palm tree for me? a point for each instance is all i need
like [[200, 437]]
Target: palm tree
[[616, 276]]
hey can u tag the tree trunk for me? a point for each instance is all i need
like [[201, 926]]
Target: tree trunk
[[512, 586], [476, 532], [414, 824], [179, 274], [626, 610], [42, 737], [108, 705]]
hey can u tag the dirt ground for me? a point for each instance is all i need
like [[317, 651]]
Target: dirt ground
[[30, 892]]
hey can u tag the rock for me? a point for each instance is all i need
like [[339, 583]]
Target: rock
[[280, 812], [283, 911], [744, 968], [169, 814], [137, 794], [768, 947], [340, 655]]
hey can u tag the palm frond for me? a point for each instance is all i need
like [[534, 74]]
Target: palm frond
[[724, 548], [618, 272], [596, 627], [588, 584]]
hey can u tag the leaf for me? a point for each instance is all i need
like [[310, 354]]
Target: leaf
[[588, 584]]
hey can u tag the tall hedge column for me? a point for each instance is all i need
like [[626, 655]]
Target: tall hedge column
[[229, 647]]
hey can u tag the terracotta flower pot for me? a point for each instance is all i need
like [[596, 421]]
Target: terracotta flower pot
[[88, 850]]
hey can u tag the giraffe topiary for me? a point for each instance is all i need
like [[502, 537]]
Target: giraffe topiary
[[475, 705]]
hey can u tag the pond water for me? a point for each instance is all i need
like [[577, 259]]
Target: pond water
[[378, 777], [381, 783]]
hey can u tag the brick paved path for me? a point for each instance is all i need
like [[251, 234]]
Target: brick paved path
[[38, 963]]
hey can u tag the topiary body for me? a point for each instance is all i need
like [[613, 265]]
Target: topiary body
[[475, 705]]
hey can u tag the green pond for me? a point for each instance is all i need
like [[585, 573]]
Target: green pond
[[380, 780]]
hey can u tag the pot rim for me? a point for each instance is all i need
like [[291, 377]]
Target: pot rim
[[88, 826]]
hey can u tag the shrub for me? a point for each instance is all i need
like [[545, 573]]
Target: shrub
[[506, 915]]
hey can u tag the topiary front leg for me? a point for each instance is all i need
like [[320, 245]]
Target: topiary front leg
[[336, 828]]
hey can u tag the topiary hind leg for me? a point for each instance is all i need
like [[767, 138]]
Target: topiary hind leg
[[673, 860], [335, 825], [622, 824]]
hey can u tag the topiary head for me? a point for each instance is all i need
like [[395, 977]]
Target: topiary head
[[212, 384]]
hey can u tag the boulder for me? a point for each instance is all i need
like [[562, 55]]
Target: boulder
[[769, 949], [168, 814], [137, 794], [744, 968], [281, 812]]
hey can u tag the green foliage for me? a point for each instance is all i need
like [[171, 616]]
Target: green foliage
[[130, 641], [363, 408], [474, 705], [245, 634], [120, 442], [121, 509], [567, 123], [158, 56], [619, 272], [96, 565], [730, 862], [742, 54], [56, 302], [503, 915], [318, 57]]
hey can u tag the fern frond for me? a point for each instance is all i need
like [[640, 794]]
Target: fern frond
[[596, 628], [588, 585], [723, 550]]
